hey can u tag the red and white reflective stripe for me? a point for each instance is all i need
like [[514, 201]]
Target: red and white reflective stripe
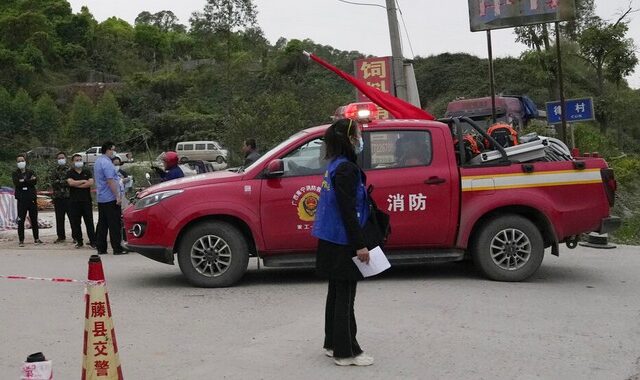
[[55, 279]]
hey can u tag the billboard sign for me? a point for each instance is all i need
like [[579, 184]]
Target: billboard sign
[[497, 14], [576, 110], [376, 72]]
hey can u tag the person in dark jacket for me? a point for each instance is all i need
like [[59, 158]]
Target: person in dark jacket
[[24, 182], [80, 180], [342, 211], [250, 150], [171, 168], [58, 178]]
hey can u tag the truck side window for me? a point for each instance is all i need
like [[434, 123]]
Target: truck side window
[[201, 146], [211, 147], [307, 159], [398, 149]]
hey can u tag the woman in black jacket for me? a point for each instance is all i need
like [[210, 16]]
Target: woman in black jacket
[[341, 214], [24, 182]]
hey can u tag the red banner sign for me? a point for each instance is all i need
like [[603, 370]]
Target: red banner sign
[[376, 72]]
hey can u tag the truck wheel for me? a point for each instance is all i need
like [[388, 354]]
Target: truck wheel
[[508, 248], [213, 254], [220, 160]]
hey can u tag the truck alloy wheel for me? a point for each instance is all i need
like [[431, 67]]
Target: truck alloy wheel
[[213, 254], [508, 248], [220, 160]]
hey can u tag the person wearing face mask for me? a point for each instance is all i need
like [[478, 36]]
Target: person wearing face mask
[[80, 181], [342, 212], [109, 199], [124, 183], [24, 182], [58, 179]]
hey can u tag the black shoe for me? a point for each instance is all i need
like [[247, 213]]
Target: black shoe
[[59, 240], [101, 253], [120, 252], [79, 245], [38, 241], [93, 245]]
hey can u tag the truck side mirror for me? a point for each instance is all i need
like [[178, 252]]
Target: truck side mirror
[[275, 168]]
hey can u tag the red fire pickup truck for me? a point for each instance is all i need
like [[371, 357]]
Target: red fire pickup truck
[[501, 213]]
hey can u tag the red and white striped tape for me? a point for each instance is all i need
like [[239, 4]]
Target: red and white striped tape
[[55, 279]]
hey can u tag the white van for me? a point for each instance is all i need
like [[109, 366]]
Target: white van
[[202, 150]]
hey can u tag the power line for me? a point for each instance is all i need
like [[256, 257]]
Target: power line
[[368, 4], [406, 32]]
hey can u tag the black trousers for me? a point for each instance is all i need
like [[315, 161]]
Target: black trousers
[[340, 321], [61, 208], [31, 207], [108, 221], [77, 212]]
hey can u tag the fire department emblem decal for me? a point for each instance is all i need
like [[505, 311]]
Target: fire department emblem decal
[[306, 202]]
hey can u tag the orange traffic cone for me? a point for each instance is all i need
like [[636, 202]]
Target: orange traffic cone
[[100, 353]]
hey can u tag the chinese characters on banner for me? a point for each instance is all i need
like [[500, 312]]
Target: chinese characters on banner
[[100, 359], [376, 72]]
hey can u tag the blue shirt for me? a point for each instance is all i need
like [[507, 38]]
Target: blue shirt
[[103, 170]]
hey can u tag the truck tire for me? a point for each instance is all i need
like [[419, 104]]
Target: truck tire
[[508, 248], [213, 254], [220, 160]]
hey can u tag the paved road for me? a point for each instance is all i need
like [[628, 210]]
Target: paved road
[[578, 318]]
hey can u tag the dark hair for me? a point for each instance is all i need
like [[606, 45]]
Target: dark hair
[[21, 155], [74, 156], [250, 143], [61, 152], [106, 146], [337, 139], [116, 158]]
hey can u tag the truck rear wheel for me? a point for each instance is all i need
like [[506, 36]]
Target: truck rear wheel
[[508, 248], [220, 160], [213, 254]]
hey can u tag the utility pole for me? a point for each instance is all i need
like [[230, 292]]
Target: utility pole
[[396, 51]]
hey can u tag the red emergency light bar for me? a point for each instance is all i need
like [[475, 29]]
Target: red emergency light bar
[[363, 112]]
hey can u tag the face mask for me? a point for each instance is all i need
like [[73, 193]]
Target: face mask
[[78, 164], [117, 167], [62, 161], [22, 165], [358, 148]]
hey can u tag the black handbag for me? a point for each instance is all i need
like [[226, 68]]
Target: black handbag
[[378, 226]]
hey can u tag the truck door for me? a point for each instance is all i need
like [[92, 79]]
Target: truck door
[[288, 203], [412, 179]]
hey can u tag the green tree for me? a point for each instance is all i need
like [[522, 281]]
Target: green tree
[[5, 117], [606, 49], [80, 123], [108, 119], [22, 112], [47, 119]]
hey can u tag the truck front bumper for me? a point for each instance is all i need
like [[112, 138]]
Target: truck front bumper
[[609, 224], [161, 254]]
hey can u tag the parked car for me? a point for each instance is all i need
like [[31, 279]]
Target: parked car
[[90, 155], [202, 150], [43, 152]]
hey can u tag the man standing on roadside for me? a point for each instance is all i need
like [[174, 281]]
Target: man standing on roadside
[[80, 206], [58, 178], [24, 181], [108, 194]]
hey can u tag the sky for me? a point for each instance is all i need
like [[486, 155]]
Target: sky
[[432, 26]]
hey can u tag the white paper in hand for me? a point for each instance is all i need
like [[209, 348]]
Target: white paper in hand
[[378, 263]]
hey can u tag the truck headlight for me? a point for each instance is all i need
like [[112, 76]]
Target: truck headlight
[[156, 198]]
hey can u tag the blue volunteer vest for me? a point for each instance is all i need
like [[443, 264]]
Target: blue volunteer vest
[[328, 224]]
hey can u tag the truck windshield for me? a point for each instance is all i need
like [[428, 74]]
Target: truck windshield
[[269, 155]]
